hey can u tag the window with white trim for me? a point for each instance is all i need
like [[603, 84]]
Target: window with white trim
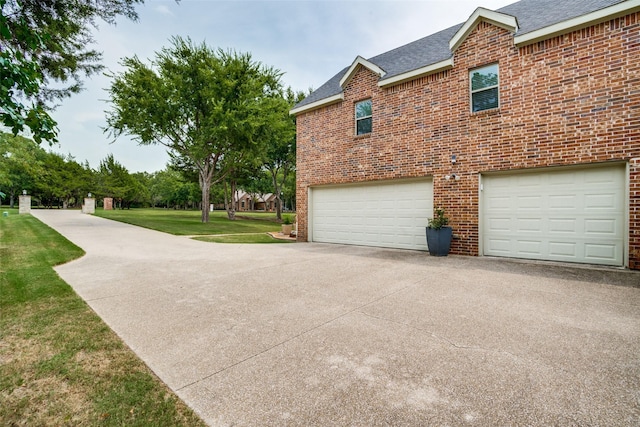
[[484, 88], [364, 119]]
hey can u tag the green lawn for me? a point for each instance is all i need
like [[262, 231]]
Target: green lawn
[[242, 238], [187, 223], [60, 364]]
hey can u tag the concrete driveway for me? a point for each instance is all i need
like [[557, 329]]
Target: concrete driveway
[[324, 335]]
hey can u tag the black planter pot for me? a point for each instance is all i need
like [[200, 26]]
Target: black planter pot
[[439, 241]]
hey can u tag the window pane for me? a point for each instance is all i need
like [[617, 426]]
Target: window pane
[[485, 100], [363, 109], [484, 77], [364, 126]]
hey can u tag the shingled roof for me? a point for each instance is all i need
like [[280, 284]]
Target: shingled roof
[[531, 16]]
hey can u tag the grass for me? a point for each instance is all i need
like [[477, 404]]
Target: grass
[[187, 223], [60, 364], [242, 238]]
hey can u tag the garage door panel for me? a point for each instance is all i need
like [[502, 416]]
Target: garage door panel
[[499, 246], [601, 176], [562, 225], [524, 181], [529, 202], [528, 247], [496, 225], [577, 215], [389, 214], [498, 202], [564, 251], [562, 201], [529, 225], [567, 178], [601, 226], [600, 201]]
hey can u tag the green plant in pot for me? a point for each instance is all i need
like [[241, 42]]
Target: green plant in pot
[[439, 235], [287, 224]]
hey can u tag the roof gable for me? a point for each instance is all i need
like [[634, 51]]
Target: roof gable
[[352, 70], [502, 20]]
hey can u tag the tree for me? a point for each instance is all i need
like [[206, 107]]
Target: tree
[[115, 181], [280, 154], [51, 187], [20, 165], [207, 107], [45, 55]]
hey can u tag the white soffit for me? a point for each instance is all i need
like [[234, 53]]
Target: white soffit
[[420, 72], [611, 12], [314, 105], [508, 22], [360, 61]]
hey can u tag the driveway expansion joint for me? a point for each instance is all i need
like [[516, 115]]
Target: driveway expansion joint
[[281, 343]]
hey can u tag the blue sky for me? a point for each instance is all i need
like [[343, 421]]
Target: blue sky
[[309, 41]]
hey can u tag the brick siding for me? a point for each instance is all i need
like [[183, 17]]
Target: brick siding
[[570, 100]]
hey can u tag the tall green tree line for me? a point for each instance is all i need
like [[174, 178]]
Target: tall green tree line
[[59, 181]]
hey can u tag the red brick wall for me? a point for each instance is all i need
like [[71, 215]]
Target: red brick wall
[[573, 99]]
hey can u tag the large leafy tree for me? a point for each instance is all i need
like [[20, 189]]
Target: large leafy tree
[[208, 107], [45, 54]]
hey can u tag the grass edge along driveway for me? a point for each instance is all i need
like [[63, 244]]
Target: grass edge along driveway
[[244, 229], [60, 364]]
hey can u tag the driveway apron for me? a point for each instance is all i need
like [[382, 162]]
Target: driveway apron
[[317, 335]]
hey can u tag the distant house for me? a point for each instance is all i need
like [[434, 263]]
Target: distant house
[[244, 201], [266, 202], [522, 123]]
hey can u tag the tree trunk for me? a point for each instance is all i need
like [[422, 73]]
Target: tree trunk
[[205, 185], [278, 207], [231, 212], [276, 192], [226, 198]]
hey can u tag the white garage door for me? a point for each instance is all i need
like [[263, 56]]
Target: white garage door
[[572, 215], [390, 214]]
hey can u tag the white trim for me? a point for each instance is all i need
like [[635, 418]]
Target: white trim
[[447, 64], [627, 213], [360, 61], [309, 214], [583, 21], [318, 104], [502, 20]]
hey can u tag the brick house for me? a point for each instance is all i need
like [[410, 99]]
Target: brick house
[[266, 202], [522, 123], [244, 201]]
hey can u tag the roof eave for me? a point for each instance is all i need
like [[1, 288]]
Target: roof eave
[[602, 15], [317, 104], [417, 73]]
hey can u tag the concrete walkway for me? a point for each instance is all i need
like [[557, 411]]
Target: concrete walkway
[[324, 335]]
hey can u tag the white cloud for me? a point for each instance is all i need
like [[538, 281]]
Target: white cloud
[[164, 10]]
